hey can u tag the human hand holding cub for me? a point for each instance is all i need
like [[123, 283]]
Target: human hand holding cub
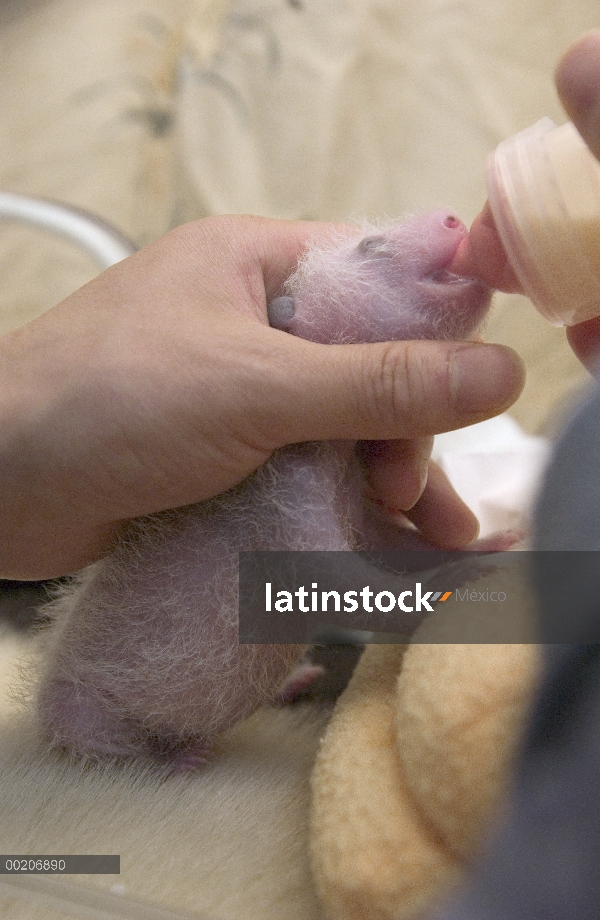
[[160, 384]]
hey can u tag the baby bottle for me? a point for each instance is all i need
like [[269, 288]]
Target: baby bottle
[[544, 193]]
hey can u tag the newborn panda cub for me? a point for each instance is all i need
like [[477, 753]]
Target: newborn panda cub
[[143, 654]]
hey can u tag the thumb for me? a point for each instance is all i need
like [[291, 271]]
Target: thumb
[[578, 84], [386, 390]]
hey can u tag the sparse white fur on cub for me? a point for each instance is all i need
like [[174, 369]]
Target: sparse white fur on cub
[[144, 656]]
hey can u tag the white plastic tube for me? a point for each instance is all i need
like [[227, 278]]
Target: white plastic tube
[[100, 240]]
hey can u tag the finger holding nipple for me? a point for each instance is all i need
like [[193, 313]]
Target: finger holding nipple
[[578, 83]]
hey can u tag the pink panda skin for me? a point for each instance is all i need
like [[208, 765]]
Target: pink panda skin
[[391, 283], [143, 655]]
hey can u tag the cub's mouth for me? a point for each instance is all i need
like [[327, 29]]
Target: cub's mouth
[[445, 276]]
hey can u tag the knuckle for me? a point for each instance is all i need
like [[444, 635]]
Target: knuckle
[[410, 387]]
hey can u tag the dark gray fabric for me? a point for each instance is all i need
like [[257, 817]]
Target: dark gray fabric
[[545, 864], [566, 516]]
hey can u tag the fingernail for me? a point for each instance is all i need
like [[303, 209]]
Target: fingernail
[[484, 378]]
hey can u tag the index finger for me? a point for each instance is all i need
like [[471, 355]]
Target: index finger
[[584, 339], [578, 84]]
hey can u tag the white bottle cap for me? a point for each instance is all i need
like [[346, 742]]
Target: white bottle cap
[[544, 191]]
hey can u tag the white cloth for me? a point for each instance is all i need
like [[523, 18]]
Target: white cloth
[[496, 469]]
